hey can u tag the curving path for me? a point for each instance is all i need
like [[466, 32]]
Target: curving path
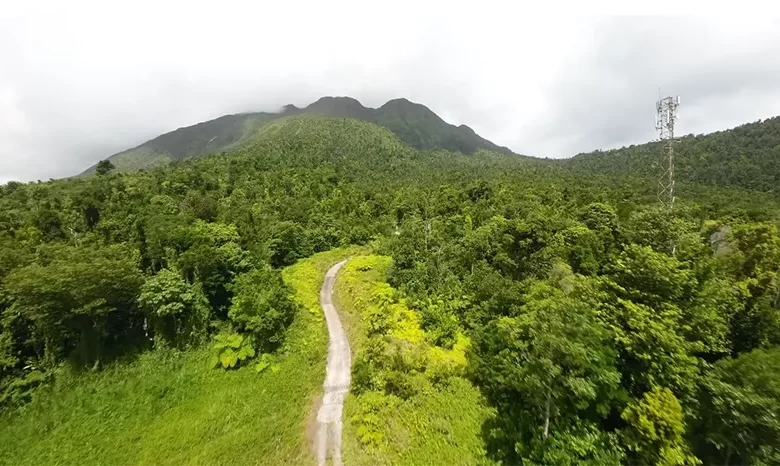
[[336, 379]]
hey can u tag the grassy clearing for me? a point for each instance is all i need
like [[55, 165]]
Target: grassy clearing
[[168, 407], [440, 425]]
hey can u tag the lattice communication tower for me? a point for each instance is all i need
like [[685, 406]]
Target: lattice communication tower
[[666, 114]]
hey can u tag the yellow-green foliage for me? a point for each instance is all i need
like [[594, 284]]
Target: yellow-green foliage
[[443, 362], [439, 427], [229, 349], [384, 313], [439, 417]]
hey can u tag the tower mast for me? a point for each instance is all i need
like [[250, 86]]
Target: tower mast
[[666, 114]]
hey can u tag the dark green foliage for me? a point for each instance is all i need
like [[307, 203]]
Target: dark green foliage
[[201, 206], [747, 156], [440, 321], [288, 243], [212, 256], [753, 258], [203, 138], [418, 126], [104, 167], [48, 223], [262, 306], [546, 370], [739, 415], [178, 311], [74, 302]]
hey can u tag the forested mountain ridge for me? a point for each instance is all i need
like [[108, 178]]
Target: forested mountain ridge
[[413, 123], [747, 156]]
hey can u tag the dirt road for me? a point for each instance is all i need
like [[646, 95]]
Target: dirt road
[[336, 378]]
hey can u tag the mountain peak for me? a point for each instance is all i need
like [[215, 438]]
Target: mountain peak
[[343, 99], [290, 109], [412, 109], [341, 107], [402, 102]]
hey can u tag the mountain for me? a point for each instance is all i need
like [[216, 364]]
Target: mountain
[[747, 156], [421, 128], [413, 123], [203, 138]]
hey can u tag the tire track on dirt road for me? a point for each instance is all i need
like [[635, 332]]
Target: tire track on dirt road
[[337, 377]]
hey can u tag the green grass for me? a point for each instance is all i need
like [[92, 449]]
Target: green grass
[[438, 426], [168, 407]]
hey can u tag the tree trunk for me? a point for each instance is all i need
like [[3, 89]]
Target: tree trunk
[[547, 415], [547, 403], [728, 455]]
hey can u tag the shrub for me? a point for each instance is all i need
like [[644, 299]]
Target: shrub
[[231, 349], [262, 307], [374, 407], [178, 311]]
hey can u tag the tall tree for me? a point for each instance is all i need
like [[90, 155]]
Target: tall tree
[[104, 167], [177, 311], [544, 369], [81, 301], [656, 430], [739, 410]]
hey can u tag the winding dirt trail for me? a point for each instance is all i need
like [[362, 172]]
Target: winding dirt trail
[[336, 379]]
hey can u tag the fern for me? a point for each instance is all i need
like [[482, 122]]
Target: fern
[[369, 421]]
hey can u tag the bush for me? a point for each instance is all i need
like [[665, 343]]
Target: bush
[[178, 311], [374, 407], [440, 324], [262, 307]]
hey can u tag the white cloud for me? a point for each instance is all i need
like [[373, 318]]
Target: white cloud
[[82, 80]]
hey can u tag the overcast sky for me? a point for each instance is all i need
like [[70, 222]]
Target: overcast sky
[[82, 82]]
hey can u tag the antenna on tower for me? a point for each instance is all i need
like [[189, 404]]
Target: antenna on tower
[[665, 115]]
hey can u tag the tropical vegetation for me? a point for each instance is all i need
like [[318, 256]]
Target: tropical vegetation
[[553, 312]]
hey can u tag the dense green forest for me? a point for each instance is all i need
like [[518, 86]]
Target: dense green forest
[[747, 156], [597, 328]]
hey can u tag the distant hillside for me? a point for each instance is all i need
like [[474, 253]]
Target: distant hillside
[[414, 124], [200, 139], [419, 127], [314, 140], [747, 156]]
